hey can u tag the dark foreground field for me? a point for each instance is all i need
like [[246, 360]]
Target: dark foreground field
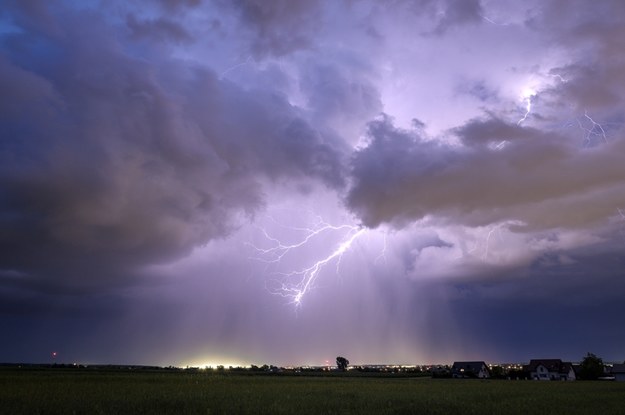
[[112, 392]]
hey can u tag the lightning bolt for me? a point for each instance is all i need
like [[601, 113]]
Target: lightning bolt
[[560, 77], [383, 252], [527, 96], [488, 236], [294, 285], [621, 213], [531, 91], [500, 145], [485, 248], [491, 21], [279, 250], [232, 68], [596, 129]]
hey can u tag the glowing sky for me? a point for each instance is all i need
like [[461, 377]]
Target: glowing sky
[[286, 181]]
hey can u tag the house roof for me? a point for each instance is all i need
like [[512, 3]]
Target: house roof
[[473, 367], [552, 365]]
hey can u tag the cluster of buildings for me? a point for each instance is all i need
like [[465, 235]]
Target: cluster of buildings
[[537, 369]]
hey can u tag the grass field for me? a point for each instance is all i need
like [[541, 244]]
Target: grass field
[[113, 392]]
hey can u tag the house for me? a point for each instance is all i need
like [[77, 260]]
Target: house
[[618, 371], [550, 369], [470, 370]]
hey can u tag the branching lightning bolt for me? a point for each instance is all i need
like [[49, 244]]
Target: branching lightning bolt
[[294, 285], [530, 92], [596, 129], [279, 250]]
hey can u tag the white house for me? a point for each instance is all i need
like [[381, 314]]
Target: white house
[[550, 369]]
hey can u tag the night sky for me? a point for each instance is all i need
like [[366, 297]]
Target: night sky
[[188, 182]]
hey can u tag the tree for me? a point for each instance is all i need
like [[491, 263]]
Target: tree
[[342, 363], [591, 367], [497, 372]]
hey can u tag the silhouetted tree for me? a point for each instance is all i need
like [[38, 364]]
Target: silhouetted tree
[[591, 367], [342, 363], [518, 374], [497, 372]]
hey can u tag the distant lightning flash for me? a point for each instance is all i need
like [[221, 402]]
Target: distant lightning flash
[[596, 129], [383, 252], [558, 76], [491, 21], [296, 284], [527, 94], [232, 68], [490, 233], [621, 213]]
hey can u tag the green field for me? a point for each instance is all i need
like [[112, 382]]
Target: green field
[[112, 392]]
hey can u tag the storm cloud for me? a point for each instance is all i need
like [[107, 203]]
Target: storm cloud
[[499, 172], [111, 163], [172, 172]]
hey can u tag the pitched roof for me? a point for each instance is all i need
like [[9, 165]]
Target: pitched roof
[[473, 367], [552, 365]]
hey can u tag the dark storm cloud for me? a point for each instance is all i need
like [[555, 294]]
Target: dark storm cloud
[[160, 29], [579, 24], [591, 87], [544, 180], [578, 292], [281, 27], [110, 163], [492, 130], [278, 27], [459, 12], [179, 4], [594, 36], [33, 15], [445, 14]]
